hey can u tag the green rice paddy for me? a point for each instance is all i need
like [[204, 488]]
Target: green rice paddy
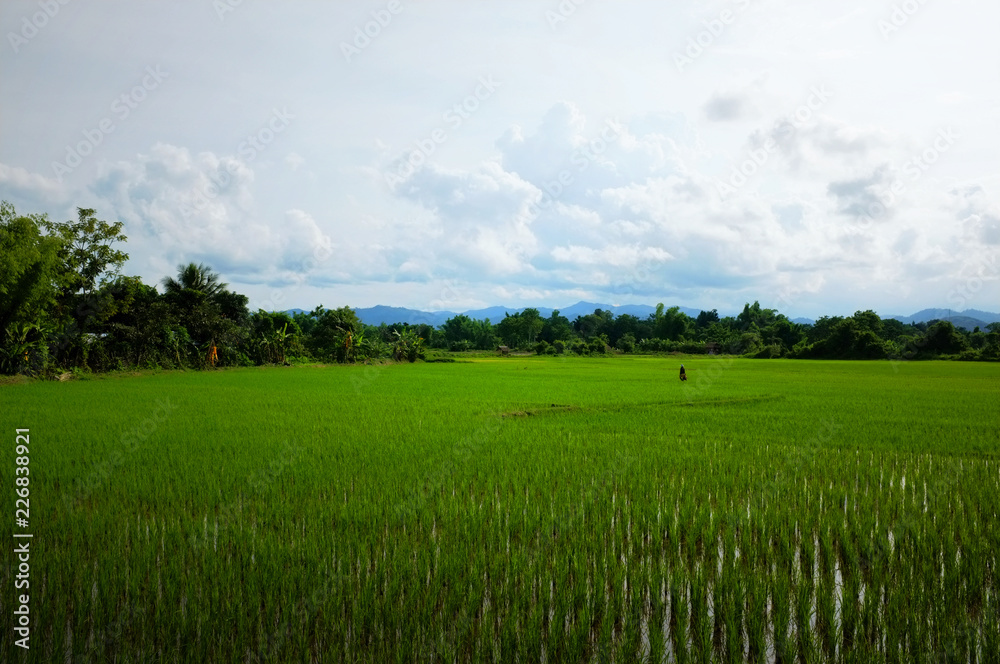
[[535, 509]]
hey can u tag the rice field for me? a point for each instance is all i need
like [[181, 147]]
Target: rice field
[[537, 509]]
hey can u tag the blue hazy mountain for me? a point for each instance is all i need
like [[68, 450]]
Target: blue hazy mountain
[[969, 319], [377, 315], [382, 314]]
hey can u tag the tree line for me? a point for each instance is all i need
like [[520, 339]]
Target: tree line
[[65, 306], [755, 332]]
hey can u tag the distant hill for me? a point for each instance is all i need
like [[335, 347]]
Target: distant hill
[[982, 315], [967, 323], [969, 319], [377, 315], [572, 311], [637, 310], [381, 314], [496, 314]]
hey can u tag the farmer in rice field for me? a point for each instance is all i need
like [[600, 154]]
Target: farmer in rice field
[[683, 375]]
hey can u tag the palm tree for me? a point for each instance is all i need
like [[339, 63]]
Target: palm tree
[[193, 277], [198, 298]]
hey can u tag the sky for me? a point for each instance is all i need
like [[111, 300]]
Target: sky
[[818, 157]]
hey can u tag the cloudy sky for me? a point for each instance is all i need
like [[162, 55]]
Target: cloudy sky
[[820, 157]]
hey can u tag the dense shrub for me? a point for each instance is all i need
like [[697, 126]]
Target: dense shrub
[[626, 343]]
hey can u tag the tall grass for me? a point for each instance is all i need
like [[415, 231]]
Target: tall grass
[[519, 510]]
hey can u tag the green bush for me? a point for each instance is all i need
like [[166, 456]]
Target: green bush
[[654, 345], [691, 347], [770, 351], [626, 343]]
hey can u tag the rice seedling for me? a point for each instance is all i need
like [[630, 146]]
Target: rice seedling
[[537, 509]]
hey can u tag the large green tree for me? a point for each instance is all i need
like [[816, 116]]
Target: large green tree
[[89, 253], [139, 329], [89, 258], [273, 335], [30, 261], [672, 324], [333, 335], [943, 338], [520, 329], [556, 327], [593, 325], [211, 316], [28, 278]]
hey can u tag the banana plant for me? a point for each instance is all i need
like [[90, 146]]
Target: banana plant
[[280, 340], [407, 345], [23, 347], [353, 344]]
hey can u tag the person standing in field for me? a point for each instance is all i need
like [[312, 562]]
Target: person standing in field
[[683, 375]]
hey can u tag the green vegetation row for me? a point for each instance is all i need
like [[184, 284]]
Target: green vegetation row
[[64, 306], [755, 332], [521, 509]]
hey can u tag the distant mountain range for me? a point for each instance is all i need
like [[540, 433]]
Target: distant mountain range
[[378, 315], [969, 319]]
